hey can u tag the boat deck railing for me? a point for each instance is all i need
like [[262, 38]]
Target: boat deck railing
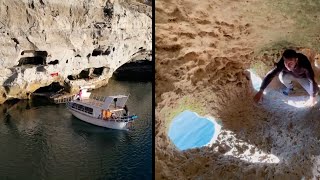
[[119, 119], [94, 99], [63, 99]]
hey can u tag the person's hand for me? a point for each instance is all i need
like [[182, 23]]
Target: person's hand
[[258, 96], [311, 102]]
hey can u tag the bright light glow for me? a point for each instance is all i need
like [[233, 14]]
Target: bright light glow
[[185, 132], [250, 154], [258, 157], [297, 104], [316, 63], [297, 101], [255, 80]]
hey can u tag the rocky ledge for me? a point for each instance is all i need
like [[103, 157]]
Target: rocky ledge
[[70, 43]]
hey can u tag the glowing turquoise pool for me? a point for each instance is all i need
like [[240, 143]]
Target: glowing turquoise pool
[[189, 130]]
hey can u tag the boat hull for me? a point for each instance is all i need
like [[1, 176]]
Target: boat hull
[[99, 122]]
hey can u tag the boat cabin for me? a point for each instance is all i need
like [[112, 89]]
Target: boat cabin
[[101, 107]]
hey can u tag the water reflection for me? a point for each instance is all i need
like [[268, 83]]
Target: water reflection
[[41, 140]]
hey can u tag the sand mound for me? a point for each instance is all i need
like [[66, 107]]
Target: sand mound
[[203, 50]]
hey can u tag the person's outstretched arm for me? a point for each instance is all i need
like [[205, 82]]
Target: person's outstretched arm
[[271, 74], [266, 81]]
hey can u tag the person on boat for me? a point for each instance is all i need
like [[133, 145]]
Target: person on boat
[[106, 114], [126, 109], [113, 116], [115, 102], [292, 67], [79, 95]]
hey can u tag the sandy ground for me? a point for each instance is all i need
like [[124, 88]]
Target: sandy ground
[[202, 52]]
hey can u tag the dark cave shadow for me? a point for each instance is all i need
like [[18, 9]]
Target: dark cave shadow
[[7, 83]]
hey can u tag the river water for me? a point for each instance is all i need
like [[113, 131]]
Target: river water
[[39, 140]]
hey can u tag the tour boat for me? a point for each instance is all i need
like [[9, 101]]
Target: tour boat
[[105, 111]]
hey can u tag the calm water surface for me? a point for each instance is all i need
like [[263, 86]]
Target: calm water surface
[[43, 141]]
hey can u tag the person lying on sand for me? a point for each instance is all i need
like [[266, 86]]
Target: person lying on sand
[[292, 66]]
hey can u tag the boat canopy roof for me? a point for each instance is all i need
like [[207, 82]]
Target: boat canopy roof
[[119, 101]]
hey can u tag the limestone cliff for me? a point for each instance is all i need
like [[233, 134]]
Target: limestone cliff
[[71, 42]]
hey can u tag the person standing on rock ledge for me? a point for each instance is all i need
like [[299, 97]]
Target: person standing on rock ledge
[[292, 66]]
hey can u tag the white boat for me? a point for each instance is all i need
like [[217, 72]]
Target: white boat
[[104, 111]]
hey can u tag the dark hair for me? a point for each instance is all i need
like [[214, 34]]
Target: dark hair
[[289, 53]]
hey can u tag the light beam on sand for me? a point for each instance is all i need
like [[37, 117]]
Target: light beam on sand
[[250, 154], [188, 130], [296, 103], [299, 101]]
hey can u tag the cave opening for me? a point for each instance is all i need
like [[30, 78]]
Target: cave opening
[[88, 73], [106, 52], [52, 88], [70, 77], [197, 131], [108, 10], [35, 58], [135, 71], [98, 52], [35, 53], [98, 71], [84, 74], [54, 62]]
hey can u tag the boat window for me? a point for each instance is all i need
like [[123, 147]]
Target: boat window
[[89, 110], [82, 108]]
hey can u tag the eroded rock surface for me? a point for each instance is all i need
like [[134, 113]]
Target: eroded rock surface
[[48, 41], [203, 52]]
